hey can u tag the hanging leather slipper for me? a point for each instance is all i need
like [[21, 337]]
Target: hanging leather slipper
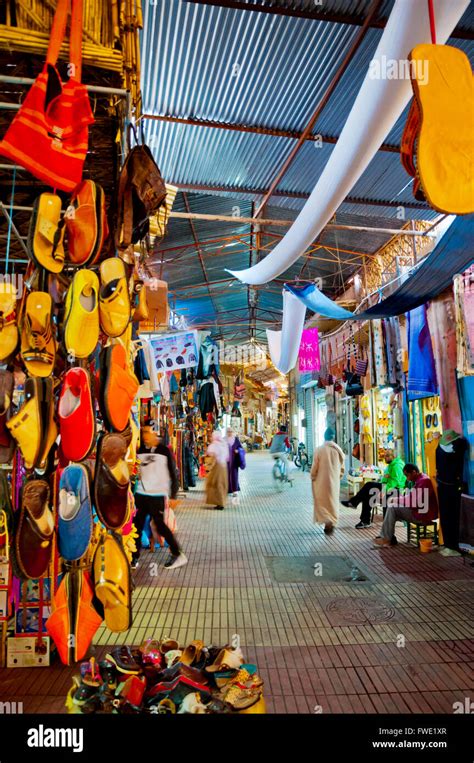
[[114, 297], [74, 620], [9, 335], [38, 345], [26, 426], [34, 533], [111, 481], [75, 512], [86, 223], [81, 322], [46, 233], [76, 415], [113, 584], [118, 387], [49, 426], [7, 444]]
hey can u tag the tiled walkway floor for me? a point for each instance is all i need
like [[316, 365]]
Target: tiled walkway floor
[[400, 642]]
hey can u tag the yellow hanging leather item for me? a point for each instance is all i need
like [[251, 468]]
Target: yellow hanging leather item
[[438, 140]]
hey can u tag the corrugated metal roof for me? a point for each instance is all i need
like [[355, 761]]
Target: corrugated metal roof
[[263, 70]]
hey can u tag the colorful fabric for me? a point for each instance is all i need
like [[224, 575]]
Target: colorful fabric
[[309, 359], [442, 325], [466, 400], [422, 381], [393, 349], [378, 347], [464, 314]]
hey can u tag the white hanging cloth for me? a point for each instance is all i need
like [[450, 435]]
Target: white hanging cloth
[[284, 345], [377, 107]]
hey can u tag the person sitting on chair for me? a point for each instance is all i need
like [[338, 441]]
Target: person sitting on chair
[[371, 493], [419, 504]]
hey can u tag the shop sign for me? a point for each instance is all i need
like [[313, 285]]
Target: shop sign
[[172, 352], [309, 359]]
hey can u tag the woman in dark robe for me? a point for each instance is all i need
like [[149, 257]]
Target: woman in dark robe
[[233, 463]]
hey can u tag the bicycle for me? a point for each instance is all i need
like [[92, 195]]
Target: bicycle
[[301, 458], [280, 473]]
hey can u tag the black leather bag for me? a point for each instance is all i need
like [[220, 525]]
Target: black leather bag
[[353, 385]]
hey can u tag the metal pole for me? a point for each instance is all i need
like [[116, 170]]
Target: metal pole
[[13, 227], [260, 221], [92, 88]]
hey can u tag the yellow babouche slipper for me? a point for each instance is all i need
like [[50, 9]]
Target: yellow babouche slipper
[[38, 345], [8, 329], [113, 584], [26, 426], [81, 323], [114, 298], [438, 139]]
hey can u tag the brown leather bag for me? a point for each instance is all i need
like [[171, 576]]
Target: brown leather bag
[[141, 192]]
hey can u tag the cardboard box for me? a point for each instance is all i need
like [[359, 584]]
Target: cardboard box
[[4, 574], [4, 605], [28, 653]]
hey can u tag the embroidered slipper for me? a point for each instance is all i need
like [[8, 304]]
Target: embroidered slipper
[[38, 345]]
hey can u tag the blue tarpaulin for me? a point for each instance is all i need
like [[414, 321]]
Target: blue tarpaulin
[[453, 254]]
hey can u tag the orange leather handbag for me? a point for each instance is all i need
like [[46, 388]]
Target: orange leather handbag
[[49, 134]]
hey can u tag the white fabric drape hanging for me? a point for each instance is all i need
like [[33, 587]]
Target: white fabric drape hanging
[[377, 107], [284, 354]]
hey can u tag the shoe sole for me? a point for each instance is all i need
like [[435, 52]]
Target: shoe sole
[[123, 670], [176, 566]]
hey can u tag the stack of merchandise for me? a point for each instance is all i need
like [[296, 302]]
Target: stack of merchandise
[[67, 349], [160, 678]]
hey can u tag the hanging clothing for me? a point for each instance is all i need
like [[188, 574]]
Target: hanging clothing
[[233, 443], [422, 381], [449, 472], [208, 359], [464, 329], [442, 326], [151, 365], [326, 474], [466, 399], [380, 362], [393, 343], [207, 399], [468, 311]]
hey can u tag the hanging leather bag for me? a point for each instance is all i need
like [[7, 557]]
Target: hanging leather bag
[[141, 193], [351, 377], [49, 134]]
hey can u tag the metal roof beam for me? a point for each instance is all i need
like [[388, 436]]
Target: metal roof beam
[[255, 129], [198, 249], [295, 195], [341, 70], [330, 16]]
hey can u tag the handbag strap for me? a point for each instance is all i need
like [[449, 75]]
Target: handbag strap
[[58, 32]]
